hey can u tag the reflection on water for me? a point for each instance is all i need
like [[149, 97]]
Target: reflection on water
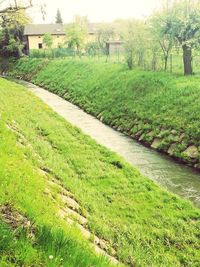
[[176, 177]]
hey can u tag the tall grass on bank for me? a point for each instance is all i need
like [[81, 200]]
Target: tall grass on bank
[[144, 105], [23, 187], [146, 225]]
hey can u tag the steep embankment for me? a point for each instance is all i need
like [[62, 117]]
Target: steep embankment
[[158, 109], [33, 202], [53, 175]]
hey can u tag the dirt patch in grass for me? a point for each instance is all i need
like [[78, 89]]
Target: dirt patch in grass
[[16, 220]]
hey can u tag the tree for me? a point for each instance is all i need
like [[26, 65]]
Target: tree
[[8, 7], [13, 17], [104, 33], [92, 48], [182, 22], [48, 40], [165, 37], [11, 31], [135, 33], [59, 17], [77, 33]]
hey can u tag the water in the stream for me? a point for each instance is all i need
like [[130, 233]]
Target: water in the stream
[[172, 175]]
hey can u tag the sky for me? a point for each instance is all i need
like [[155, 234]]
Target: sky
[[95, 10]]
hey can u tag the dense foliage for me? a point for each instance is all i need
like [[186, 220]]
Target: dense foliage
[[179, 21], [76, 33], [13, 17], [48, 40]]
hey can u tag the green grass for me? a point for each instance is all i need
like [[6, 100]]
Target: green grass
[[145, 224], [144, 105], [23, 187], [17, 250]]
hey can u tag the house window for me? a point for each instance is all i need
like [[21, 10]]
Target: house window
[[40, 45]]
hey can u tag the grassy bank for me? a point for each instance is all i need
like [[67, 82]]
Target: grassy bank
[[146, 225], [31, 233], [158, 109]]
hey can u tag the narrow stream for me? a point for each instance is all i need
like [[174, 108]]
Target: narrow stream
[[176, 177]]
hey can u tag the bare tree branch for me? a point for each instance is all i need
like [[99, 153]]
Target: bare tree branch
[[16, 7]]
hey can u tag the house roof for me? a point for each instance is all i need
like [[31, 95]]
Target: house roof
[[40, 29], [56, 29]]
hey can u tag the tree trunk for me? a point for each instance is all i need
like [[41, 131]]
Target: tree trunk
[[154, 61], [187, 60], [130, 60], [166, 62], [78, 50], [140, 59]]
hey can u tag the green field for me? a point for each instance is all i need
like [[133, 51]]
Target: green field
[[144, 224], [158, 109]]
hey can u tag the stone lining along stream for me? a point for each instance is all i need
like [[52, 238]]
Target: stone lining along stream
[[176, 177]]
